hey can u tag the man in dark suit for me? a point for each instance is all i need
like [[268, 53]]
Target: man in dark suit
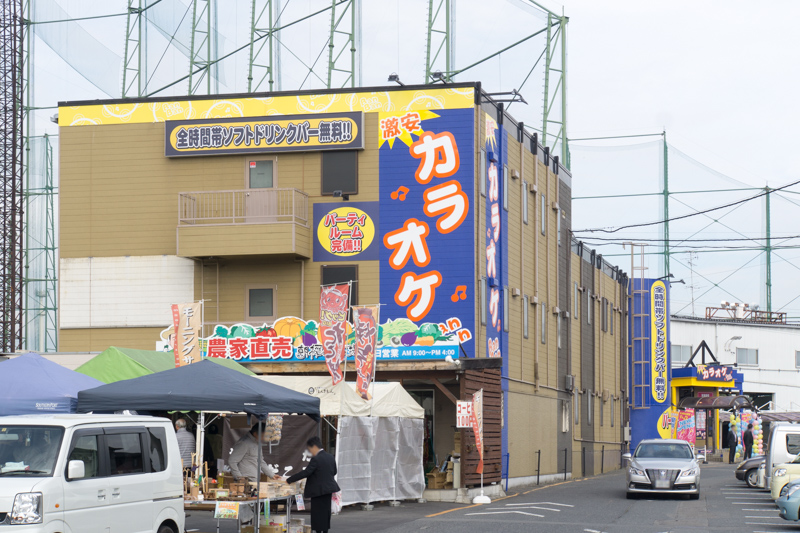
[[320, 484], [733, 440], [747, 440]]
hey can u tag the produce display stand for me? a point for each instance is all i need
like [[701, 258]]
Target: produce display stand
[[210, 505]]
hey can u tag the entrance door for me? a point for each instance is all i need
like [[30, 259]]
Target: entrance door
[[261, 201], [86, 500], [425, 398]]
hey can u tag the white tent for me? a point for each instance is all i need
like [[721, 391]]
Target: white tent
[[380, 442]]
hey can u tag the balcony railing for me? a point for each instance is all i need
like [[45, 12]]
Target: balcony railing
[[249, 206]]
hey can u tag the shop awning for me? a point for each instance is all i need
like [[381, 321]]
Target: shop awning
[[203, 386], [715, 402], [34, 385], [115, 364], [388, 398]]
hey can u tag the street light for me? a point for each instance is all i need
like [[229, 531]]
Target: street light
[[395, 78], [727, 345]]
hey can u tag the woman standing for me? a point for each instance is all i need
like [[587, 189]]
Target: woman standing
[[320, 486]]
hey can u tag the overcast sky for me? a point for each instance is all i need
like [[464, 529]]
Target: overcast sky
[[719, 76]]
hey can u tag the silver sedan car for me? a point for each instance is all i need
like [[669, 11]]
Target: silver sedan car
[[663, 466]]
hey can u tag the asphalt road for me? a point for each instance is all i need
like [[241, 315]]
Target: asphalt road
[[592, 505]]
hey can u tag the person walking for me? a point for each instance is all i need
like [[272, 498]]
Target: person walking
[[733, 441], [747, 440], [320, 486], [186, 442], [244, 459]]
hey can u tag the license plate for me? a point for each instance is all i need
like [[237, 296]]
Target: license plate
[[662, 484]]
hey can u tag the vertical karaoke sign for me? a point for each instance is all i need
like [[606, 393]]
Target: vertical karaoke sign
[[493, 243], [427, 257]]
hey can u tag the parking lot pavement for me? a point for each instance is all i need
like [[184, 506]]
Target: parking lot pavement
[[591, 505]]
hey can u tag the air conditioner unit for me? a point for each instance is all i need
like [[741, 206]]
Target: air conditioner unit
[[626, 434], [556, 206], [605, 395], [515, 292], [514, 174], [556, 310], [533, 188], [569, 382], [564, 314], [534, 300]]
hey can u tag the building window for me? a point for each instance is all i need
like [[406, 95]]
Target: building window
[[590, 406], [543, 311], [525, 202], [260, 306], [484, 301], [604, 314], [602, 411], [797, 359], [505, 187], [577, 408], [588, 306], [340, 172], [544, 214], [525, 317], [505, 309], [576, 300], [564, 417], [332, 275], [747, 356], [558, 226], [260, 173], [680, 354], [482, 179], [558, 330]]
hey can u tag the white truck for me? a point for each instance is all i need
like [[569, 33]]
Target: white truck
[[90, 474]]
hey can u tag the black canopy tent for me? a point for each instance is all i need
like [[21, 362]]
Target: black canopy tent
[[715, 402], [202, 386]]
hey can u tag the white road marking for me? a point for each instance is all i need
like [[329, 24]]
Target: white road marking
[[506, 512], [742, 498], [531, 507], [541, 503], [751, 503], [766, 517]]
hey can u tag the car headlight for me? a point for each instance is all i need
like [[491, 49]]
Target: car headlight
[[689, 472], [780, 472], [27, 508], [635, 471], [792, 489]]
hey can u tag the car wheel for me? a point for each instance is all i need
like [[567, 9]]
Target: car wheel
[[751, 478], [631, 495], [165, 529], [694, 496]]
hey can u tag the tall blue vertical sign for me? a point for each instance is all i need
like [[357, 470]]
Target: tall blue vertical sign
[[427, 225], [497, 253]]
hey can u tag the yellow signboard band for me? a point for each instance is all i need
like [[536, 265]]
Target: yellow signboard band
[[658, 341], [246, 107]]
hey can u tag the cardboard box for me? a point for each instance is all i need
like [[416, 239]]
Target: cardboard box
[[307, 529]]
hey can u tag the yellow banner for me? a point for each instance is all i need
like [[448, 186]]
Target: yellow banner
[[658, 341], [279, 134], [122, 112]]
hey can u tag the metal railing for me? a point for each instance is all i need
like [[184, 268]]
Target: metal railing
[[248, 206]]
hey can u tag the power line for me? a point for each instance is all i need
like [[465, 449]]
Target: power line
[[645, 224]]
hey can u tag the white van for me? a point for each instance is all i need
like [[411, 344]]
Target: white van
[[784, 446], [90, 474]]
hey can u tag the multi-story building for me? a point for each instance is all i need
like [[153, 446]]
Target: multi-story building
[[766, 353], [430, 201]]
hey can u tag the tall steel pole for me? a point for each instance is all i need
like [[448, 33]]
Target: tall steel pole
[[11, 175], [548, 53], [768, 249], [666, 203]]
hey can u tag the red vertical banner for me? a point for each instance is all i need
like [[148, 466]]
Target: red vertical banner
[[366, 327], [334, 300], [477, 426]]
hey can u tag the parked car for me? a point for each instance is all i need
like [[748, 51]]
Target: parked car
[[789, 501], [90, 473], [663, 466], [747, 470], [783, 474], [784, 446]]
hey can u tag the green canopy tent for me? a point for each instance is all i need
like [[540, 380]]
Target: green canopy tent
[[116, 364]]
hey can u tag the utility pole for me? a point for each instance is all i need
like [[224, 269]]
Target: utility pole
[[768, 251], [666, 203]]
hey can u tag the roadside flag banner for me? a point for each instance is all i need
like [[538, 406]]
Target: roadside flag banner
[[477, 426], [187, 320], [333, 305], [366, 325]]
